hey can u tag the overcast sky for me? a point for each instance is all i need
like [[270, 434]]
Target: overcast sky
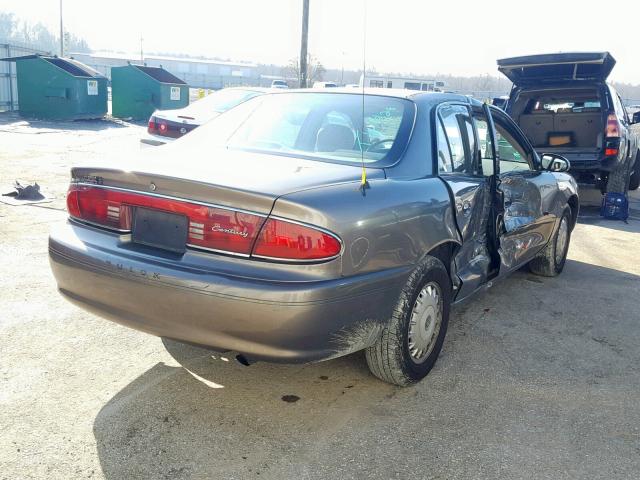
[[461, 37]]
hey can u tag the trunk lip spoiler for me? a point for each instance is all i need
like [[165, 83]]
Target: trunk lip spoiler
[[177, 199]]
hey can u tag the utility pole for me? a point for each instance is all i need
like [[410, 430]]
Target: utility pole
[[303, 44], [141, 51], [61, 33]]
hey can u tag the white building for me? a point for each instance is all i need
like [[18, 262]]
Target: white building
[[408, 83], [197, 73]]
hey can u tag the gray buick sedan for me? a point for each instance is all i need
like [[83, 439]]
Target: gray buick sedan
[[307, 225]]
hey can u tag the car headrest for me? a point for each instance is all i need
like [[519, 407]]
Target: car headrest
[[334, 137]]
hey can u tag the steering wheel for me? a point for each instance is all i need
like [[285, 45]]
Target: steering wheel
[[380, 142]]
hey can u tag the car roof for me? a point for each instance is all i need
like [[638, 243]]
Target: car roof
[[250, 89], [415, 95]]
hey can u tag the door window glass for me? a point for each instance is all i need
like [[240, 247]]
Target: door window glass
[[444, 154], [511, 152], [458, 129], [486, 148]]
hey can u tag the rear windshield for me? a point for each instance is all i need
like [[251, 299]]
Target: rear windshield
[[335, 127], [220, 101], [563, 101], [567, 106]]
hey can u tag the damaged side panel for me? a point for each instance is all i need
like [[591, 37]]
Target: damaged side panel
[[532, 206], [472, 198]]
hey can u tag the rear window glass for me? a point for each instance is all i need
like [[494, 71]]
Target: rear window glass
[[566, 106], [345, 128], [220, 101]]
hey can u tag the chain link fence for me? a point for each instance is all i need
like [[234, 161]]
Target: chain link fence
[[8, 82]]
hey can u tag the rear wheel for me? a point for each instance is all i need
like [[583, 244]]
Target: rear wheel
[[618, 180], [411, 342], [550, 261]]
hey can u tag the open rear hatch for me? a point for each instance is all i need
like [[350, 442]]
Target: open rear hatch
[[557, 67]]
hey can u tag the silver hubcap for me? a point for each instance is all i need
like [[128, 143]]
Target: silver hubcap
[[424, 325], [561, 240]]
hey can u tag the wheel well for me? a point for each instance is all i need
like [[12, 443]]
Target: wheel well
[[444, 252], [574, 204]]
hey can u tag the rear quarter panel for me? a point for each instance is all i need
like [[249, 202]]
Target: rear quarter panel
[[393, 224]]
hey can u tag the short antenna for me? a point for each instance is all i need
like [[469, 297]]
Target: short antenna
[[364, 184]]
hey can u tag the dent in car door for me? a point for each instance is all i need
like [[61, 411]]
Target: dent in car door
[[528, 194], [458, 167]]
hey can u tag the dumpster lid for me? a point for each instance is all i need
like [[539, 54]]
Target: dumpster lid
[[69, 65], [160, 74], [557, 67]]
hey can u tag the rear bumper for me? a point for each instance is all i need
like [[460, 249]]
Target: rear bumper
[[154, 140], [606, 164], [221, 305]]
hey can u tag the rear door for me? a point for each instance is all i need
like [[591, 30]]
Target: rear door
[[459, 165]]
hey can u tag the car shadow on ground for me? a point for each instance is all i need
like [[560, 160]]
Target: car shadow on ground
[[209, 416], [13, 122], [591, 216], [210, 413]]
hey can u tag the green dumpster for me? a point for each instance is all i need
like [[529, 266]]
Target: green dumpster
[[59, 88], [137, 91]]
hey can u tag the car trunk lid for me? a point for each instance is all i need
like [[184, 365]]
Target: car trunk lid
[[221, 205], [236, 179], [557, 67]]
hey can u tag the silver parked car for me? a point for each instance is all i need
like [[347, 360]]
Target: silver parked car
[[284, 233], [167, 125]]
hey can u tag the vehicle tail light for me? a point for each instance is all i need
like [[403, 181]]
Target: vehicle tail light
[[151, 128], [212, 228], [283, 240], [165, 128], [223, 230], [613, 126], [611, 152], [99, 206]]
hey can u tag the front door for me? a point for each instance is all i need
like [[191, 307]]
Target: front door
[[527, 193]]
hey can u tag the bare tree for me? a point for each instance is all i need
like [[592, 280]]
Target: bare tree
[[315, 69], [13, 30]]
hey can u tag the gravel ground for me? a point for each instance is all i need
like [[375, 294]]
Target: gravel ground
[[538, 378]]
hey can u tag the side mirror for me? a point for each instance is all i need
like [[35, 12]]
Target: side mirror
[[636, 117], [555, 163]]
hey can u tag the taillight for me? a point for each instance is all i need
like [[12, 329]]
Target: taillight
[[151, 128], [283, 240], [99, 206], [222, 230], [158, 126], [613, 126], [210, 227], [611, 152]]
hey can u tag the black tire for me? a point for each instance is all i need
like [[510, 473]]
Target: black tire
[[634, 181], [389, 358], [547, 263], [618, 180]]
